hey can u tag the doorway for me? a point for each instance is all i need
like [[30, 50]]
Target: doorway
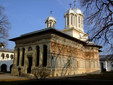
[[4, 68], [29, 64]]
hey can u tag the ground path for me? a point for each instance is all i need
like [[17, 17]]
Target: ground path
[[9, 77]]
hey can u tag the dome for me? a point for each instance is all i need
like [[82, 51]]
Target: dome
[[51, 18], [77, 10], [70, 11]]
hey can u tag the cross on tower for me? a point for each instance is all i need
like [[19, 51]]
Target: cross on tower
[[70, 5], [74, 3], [51, 13]]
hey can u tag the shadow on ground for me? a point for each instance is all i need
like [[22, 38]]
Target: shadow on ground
[[101, 79]]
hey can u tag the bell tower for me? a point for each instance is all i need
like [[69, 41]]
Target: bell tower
[[50, 21], [74, 23]]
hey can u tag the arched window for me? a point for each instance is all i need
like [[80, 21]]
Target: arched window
[[79, 20], [68, 20], [7, 55], [18, 56], [30, 49], [44, 55], [38, 54], [23, 55], [2, 55], [71, 20], [11, 56]]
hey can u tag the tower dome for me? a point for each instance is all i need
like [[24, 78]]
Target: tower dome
[[50, 21], [77, 10], [70, 11]]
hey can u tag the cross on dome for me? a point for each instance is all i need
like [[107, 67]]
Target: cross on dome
[[51, 13], [74, 3], [70, 5]]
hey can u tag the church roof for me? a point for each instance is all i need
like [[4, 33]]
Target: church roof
[[6, 50], [53, 31], [106, 57]]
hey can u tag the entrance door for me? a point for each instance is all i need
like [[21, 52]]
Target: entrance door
[[29, 64], [4, 68]]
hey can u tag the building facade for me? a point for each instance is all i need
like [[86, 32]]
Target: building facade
[[6, 59], [106, 63], [57, 53]]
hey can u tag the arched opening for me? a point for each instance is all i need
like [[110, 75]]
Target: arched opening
[[4, 68], [7, 55], [11, 56], [11, 67], [18, 56], [2, 55], [38, 54], [30, 49], [44, 56], [23, 55]]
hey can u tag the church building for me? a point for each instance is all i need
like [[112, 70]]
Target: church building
[[57, 53]]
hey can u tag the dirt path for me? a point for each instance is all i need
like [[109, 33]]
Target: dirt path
[[9, 77]]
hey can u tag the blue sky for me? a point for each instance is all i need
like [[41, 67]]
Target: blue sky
[[30, 15]]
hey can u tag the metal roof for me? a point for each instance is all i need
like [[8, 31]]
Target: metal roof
[[6, 50], [55, 31], [106, 57]]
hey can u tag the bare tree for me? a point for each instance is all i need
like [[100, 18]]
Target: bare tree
[[99, 21], [4, 26]]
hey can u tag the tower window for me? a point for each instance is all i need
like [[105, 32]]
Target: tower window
[[68, 20], [71, 20]]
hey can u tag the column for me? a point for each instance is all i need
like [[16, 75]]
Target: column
[[41, 55], [69, 20], [20, 59], [25, 60], [65, 21], [15, 57], [34, 56]]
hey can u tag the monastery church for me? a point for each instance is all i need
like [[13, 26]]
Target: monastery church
[[57, 53]]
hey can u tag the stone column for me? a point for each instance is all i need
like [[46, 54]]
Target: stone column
[[41, 55], [66, 21], [25, 60], [15, 56], [20, 59], [34, 57], [48, 55]]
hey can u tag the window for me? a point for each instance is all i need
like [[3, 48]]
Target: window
[[23, 55], [11, 56], [38, 54], [44, 55], [18, 56], [30, 49], [71, 20], [7, 55], [68, 20], [2, 55]]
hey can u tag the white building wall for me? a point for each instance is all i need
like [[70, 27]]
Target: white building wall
[[108, 65], [7, 61]]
